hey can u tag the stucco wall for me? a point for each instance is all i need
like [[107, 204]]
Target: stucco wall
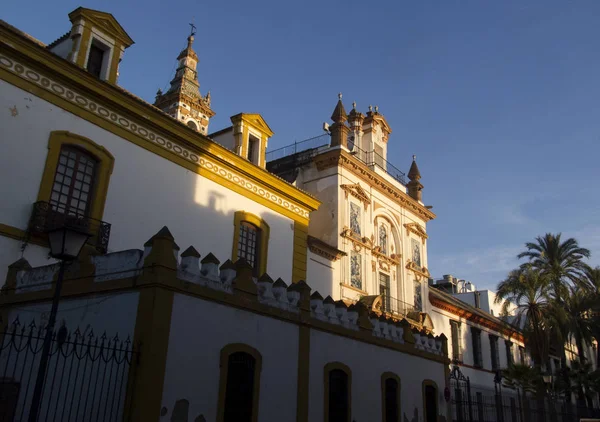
[[200, 329], [145, 193], [367, 363]]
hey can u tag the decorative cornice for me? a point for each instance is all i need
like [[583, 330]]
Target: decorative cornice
[[131, 118], [437, 300], [416, 229], [340, 157], [419, 271], [317, 246], [358, 192]]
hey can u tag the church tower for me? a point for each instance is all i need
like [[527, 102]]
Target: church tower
[[183, 100]]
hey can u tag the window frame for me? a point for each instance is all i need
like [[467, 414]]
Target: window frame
[[104, 168], [494, 352], [326, 370], [456, 345], [429, 383], [224, 369], [477, 351], [509, 352], [263, 238], [384, 377]]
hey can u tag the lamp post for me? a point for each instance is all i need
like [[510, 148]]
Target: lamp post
[[66, 243]]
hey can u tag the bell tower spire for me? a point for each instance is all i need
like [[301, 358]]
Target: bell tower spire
[[183, 100]]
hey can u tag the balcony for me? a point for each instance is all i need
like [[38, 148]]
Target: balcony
[[394, 307], [44, 218]]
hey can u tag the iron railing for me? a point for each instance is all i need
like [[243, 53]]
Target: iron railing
[[86, 379], [45, 218], [395, 306], [320, 143]]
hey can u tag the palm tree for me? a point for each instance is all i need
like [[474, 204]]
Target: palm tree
[[524, 379], [536, 314], [579, 323], [585, 379], [561, 262]]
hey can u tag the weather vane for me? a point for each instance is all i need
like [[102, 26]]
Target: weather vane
[[193, 29]]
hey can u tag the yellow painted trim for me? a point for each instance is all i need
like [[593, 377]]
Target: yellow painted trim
[[303, 374], [12, 232], [300, 252], [328, 368], [263, 242], [437, 404], [225, 353], [84, 43], [148, 117], [147, 375], [114, 64], [104, 169], [384, 377]]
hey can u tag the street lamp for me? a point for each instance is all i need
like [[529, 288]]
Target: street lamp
[[66, 243]]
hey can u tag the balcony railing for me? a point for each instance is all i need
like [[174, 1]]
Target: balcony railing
[[44, 218], [395, 306], [318, 144]]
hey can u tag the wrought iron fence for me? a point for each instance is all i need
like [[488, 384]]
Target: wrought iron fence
[[505, 405], [373, 159], [45, 218], [86, 379]]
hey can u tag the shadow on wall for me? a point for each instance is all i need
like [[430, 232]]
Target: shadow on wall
[[180, 412]]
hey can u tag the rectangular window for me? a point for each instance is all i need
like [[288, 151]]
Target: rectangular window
[[522, 355], [418, 295], [384, 291], [456, 340], [494, 352], [509, 356], [73, 182], [248, 247], [95, 60], [355, 218], [356, 270], [252, 149], [477, 357]]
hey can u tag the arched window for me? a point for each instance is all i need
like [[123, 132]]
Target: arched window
[[338, 381], [250, 241], [390, 395], [74, 182], [239, 385], [192, 124], [430, 401], [383, 239]]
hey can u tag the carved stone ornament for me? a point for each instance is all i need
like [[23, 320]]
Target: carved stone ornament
[[419, 271], [358, 192], [416, 229], [323, 249]]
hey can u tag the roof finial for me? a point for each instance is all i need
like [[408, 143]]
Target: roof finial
[[414, 157], [340, 96], [370, 107], [193, 28], [353, 105], [376, 109]]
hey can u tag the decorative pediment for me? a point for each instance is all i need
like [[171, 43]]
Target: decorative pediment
[[323, 249], [358, 192], [104, 21], [254, 120], [419, 271], [416, 229]]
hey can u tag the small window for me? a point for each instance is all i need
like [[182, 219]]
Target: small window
[[509, 355], [494, 352], [248, 244], [192, 124], [95, 60], [477, 357], [456, 340], [253, 149], [384, 291], [391, 397], [430, 399], [337, 393], [73, 182]]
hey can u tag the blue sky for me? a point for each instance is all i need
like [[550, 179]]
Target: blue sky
[[500, 100]]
